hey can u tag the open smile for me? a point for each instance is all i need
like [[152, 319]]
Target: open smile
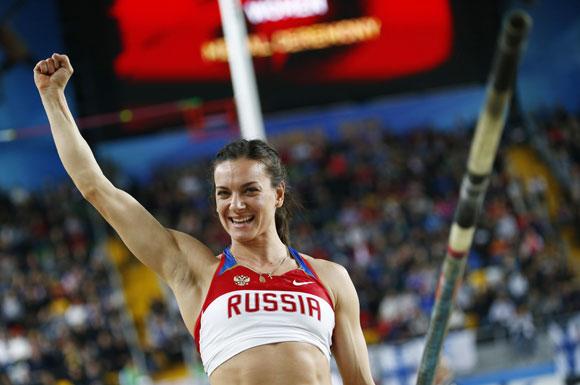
[[242, 221]]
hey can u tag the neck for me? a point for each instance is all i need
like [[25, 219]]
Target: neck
[[259, 252]]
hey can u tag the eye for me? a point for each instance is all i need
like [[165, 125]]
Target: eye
[[251, 190], [222, 193]]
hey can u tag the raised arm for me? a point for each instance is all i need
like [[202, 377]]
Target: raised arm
[[171, 254]]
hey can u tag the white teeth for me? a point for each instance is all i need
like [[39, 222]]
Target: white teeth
[[241, 221]]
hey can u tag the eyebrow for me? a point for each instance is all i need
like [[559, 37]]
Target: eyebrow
[[244, 185]]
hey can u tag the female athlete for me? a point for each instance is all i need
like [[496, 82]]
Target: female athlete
[[261, 312]]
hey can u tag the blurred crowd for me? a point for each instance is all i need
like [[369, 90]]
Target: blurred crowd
[[59, 315], [382, 205], [377, 203]]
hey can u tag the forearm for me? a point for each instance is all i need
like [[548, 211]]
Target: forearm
[[73, 150]]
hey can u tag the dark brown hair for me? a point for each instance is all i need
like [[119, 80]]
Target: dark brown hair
[[262, 152]]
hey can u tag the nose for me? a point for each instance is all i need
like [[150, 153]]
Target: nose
[[238, 202]]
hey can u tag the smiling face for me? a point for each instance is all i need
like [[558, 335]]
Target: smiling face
[[246, 202]]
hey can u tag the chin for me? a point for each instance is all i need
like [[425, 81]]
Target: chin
[[241, 236]]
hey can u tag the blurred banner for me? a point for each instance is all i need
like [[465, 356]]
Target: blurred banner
[[306, 52], [502, 379], [299, 40]]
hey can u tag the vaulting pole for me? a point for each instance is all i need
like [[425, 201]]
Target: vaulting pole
[[482, 154]]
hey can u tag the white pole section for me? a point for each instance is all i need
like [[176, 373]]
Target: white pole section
[[242, 70]]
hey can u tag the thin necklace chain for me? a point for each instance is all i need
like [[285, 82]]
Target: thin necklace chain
[[277, 267], [269, 274]]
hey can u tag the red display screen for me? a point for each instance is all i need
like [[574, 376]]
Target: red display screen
[[307, 41]]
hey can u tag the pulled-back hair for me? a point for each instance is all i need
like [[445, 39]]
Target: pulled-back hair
[[262, 152]]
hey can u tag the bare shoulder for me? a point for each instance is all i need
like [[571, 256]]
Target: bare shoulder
[[327, 268], [333, 275]]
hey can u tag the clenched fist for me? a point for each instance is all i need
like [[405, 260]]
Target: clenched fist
[[53, 73]]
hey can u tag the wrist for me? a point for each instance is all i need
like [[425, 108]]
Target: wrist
[[50, 92]]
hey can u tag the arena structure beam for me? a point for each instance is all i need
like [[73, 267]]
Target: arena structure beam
[[242, 70], [482, 154]]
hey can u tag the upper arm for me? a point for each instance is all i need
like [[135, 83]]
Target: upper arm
[[349, 347], [164, 251]]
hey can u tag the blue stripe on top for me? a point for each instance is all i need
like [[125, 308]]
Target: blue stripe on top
[[230, 261], [301, 262]]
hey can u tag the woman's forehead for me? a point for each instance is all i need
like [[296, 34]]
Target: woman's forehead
[[239, 172]]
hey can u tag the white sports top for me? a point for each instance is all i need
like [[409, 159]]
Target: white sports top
[[240, 312]]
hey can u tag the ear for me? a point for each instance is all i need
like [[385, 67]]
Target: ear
[[280, 191]]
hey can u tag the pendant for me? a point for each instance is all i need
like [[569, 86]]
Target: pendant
[[262, 279]]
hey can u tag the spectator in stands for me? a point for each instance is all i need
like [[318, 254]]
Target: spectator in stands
[[501, 312], [523, 331]]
